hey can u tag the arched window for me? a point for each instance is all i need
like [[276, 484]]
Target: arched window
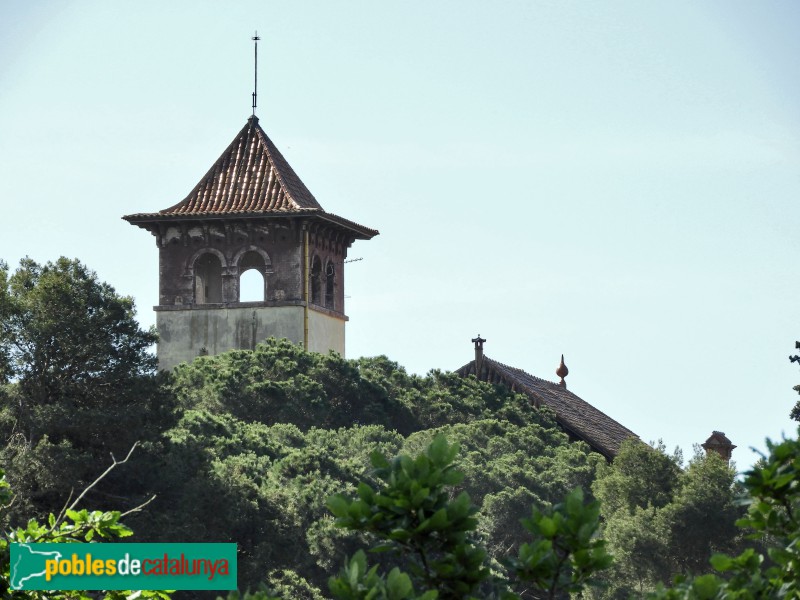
[[252, 284], [207, 279], [330, 281], [316, 283]]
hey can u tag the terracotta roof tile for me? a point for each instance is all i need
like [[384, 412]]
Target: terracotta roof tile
[[251, 175], [574, 414], [250, 179]]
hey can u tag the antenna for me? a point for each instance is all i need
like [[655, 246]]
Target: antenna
[[255, 39]]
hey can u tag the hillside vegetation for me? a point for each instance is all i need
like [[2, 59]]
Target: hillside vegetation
[[265, 437], [247, 446]]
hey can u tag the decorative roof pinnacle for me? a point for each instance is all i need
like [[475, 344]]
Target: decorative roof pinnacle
[[562, 371]]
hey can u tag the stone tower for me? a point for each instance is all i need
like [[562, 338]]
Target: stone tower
[[250, 212]]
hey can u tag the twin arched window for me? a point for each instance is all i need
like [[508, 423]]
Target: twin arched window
[[252, 287], [208, 278]]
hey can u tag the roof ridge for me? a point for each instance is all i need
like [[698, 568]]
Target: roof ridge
[[207, 174], [573, 413], [272, 149], [518, 370]]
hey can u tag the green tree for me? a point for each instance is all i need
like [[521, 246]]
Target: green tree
[[5, 312], [701, 519], [78, 382], [661, 520], [509, 467], [640, 476], [411, 512], [279, 382], [773, 519], [66, 334]]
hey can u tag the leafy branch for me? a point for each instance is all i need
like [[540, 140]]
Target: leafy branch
[[70, 526]]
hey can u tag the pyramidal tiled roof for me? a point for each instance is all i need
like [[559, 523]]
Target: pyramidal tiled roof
[[576, 416], [250, 178]]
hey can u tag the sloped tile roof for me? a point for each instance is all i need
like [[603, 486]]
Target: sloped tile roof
[[573, 414], [251, 178], [718, 439], [251, 175]]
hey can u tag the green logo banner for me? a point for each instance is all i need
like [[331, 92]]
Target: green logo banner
[[123, 566]]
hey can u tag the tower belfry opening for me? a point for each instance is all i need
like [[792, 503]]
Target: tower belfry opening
[[249, 217], [207, 279]]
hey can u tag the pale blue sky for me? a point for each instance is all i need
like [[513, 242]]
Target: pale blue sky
[[617, 181]]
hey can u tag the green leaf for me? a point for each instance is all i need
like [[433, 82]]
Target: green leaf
[[398, 585], [547, 527], [378, 460], [338, 505], [705, 587], [722, 562]]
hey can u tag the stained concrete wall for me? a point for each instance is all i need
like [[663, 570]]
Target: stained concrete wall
[[325, 332], [186, 334]]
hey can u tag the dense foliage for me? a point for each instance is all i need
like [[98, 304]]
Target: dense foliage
[[77, 382], [773, 519], [661, 520], [266, 436], [247, 446], [412, 515], [410, 512]]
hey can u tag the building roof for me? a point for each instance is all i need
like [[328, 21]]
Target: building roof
[[577, 417], [250, 179], [716, 440]]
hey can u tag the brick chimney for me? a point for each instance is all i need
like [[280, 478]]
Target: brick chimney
[[478, 341], [719, 443]]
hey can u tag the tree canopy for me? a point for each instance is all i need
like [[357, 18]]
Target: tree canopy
[[266, 436], [662, 520], [66, 333], [79, 381]]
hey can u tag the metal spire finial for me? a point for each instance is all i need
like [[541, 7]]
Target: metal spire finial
[[255, 39]]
